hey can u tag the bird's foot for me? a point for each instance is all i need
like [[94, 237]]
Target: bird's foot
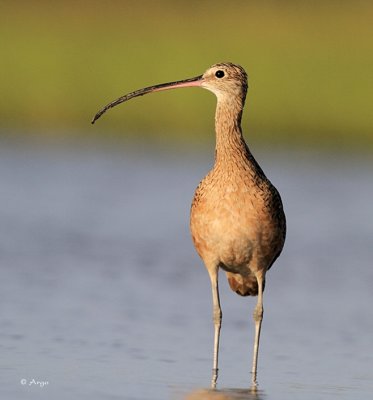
[[254, 382], [214, 378]]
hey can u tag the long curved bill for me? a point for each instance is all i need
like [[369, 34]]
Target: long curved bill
[[150, 89]]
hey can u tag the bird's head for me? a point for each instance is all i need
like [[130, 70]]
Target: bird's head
[[225, 80]]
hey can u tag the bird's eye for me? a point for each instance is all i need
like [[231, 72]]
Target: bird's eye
[[219, 74]]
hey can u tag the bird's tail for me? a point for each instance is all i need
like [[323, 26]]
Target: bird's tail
[[243, 285]]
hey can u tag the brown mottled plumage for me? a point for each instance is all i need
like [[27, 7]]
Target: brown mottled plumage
[[237, 220]]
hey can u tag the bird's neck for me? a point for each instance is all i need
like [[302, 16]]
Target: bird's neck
[[229, 139], [231, 150]]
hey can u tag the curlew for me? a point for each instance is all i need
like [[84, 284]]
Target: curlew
[[237, 220]]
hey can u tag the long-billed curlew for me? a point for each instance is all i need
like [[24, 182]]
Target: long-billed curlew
[[237, 219]]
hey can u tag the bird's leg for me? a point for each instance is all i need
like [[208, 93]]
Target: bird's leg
[[258, 316], [217, 317]]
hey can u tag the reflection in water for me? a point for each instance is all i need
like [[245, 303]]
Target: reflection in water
[[226, 394]]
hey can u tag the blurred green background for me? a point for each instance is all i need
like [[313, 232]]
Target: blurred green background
[[310, 66]]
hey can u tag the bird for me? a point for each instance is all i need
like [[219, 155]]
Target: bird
[[237, 219]]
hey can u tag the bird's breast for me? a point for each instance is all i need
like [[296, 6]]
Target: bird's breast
[[233, 222]]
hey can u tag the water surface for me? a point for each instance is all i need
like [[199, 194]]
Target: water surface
[[103, 297]]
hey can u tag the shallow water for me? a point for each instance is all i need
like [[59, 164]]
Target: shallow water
[[103, 297]]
